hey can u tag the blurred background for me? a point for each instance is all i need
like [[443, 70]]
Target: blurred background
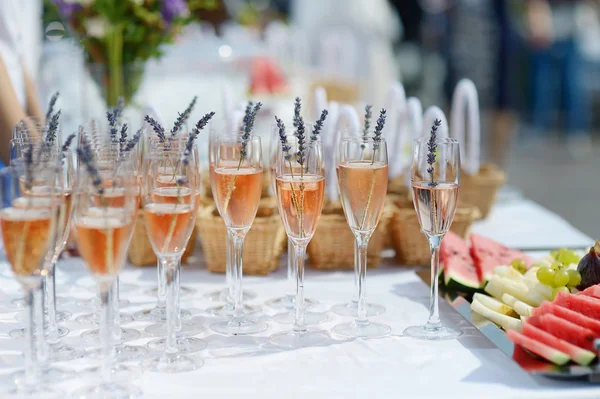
[[535, 63]]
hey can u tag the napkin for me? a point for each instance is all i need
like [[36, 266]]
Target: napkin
[[465, 95]]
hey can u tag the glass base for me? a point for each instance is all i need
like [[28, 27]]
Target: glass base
[[187, 329], [61, 316], [127, 334], [183, 291], [118, 374], [227, 310], [223, 296], [239, 327], [351, 309], [299, 340], [310, 318], [94, 302], [109, 390], [35, 391], [62, 353], [51, 375], [92, 319], [362, 330], [172, 363], [184, 345], [157, 314], [288, 302], [123, 353], [435, 333], [19, 333]]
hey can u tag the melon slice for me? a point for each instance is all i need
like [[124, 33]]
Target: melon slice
[[498, 286], [487, 254], [506, 322], [578, 355], [494, 304], [552, 355], [593, 291], [459, 270], [563, 329], [569, 315], [523, 309], [586, 305]]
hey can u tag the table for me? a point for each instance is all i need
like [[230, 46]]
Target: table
[[396, 366]]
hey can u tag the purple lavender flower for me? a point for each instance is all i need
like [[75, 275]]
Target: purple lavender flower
[[67, 9], [172, 9]]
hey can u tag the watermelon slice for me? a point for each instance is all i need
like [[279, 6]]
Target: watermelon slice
[[553, 355], [593, 291], [586, 305], [563, 329], [569, 315], [459, 270], [578, 355], [487, 254]]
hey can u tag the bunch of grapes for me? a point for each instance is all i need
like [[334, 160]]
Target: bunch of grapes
[[559, 276]]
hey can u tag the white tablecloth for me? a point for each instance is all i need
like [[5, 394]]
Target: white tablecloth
[[397, 366]]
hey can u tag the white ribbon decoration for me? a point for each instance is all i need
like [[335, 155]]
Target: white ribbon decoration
[[320, 102], [465, 95], [395, 128], [415, 119]]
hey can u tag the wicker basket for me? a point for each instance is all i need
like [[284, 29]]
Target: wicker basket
[[140, 250], [264, 242], [398, 186], [481, 189], [408, 240], [332, 246]]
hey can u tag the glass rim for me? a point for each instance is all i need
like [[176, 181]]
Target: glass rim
[[438, 140], [362, 139]]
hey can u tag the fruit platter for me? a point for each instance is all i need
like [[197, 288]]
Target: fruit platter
[[544, 313]]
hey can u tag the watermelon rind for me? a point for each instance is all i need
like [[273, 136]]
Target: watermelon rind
[[564, 329], [540, 349], [578, 355]]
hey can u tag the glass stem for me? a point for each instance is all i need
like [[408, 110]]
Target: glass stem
[[161, 291], [356, 272], [106, 329], [52, 335], [115, 313], [299, 255], [172, 279], [229, 267], [434, 312], [177, 301], [40, 331], [362, 243], [237, 237], [291, 268], [30, 365]]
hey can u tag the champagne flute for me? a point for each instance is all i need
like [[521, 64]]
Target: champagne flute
[[362, 180], [225, 294], [435, 181], [170, 215], [237, 186], [28, 227], [104, 223], [300, 181]]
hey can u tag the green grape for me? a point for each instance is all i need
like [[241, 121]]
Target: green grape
[[559, 289], [561, 278], [545, 275], [554, 253], [567, 257], [556, 266], [519, 265], [574, 278]]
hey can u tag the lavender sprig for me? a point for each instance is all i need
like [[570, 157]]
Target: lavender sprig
[[368, 116], [123, 139], [51, 105], [112, 115], [28, 157], [283, 139], [319, 126], [52, 127], [297, 111], [183, 117], [86, 156], [132, 143], [201, 124], [248, 126], [300, 135], [378, 131], [431, 149], [66, 145], [247, 113], [118, 110], [158, 129]]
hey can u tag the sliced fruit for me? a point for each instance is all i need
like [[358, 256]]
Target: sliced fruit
[[578, 355], [509, 272], [563, 329], [523, 309], [540, 349], [509, 299], [540, 288], [586, 305], [569, 315], [497, 286], [495, 305], [506, 322], [487, 254], [459, 270], [593, 291]]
